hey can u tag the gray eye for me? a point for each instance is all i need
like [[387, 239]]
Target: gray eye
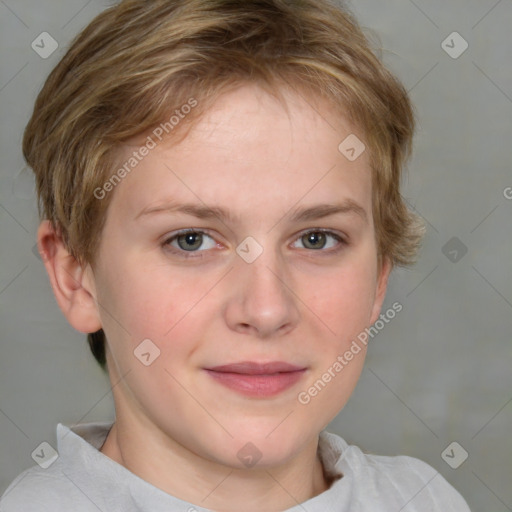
[[317, 240], [190, 241], [314, 240]]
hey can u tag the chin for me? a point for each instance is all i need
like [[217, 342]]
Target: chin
[[272, 443]]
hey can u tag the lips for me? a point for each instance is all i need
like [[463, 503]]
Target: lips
[[258, 380], [252, 368]]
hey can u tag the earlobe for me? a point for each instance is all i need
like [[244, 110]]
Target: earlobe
[[72, 288], [382, 284]]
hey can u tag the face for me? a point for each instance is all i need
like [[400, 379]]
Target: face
[[275, 276]]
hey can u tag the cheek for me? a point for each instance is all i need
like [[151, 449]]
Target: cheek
[[138, 296], [150, 301], [345, 306], [345, 300]]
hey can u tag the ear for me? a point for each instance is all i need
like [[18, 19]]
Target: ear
[[72, 284], [382, 284]]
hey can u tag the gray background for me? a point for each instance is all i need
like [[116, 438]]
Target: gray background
[[438, 373]]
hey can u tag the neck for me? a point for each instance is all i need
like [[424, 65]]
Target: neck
[[154, 457]]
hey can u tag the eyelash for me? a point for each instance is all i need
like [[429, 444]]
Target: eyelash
[[198, 254]]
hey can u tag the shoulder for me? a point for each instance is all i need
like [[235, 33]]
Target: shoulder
[[419, 485], [40, 490], [402, 481]]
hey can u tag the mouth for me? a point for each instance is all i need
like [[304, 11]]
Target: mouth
[[257, 379]]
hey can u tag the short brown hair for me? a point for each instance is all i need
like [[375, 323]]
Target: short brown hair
[[138, 61]]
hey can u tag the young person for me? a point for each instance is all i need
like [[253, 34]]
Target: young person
[[219, 184]]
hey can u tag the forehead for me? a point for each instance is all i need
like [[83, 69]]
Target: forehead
[[253, 154]]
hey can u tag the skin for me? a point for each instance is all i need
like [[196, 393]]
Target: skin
[[176, 427]]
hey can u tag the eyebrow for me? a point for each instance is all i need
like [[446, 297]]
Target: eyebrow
[[298, 215]]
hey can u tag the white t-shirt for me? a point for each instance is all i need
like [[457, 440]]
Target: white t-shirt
[[82, 479]]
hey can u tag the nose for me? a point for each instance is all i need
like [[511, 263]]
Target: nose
[[261, 301]]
